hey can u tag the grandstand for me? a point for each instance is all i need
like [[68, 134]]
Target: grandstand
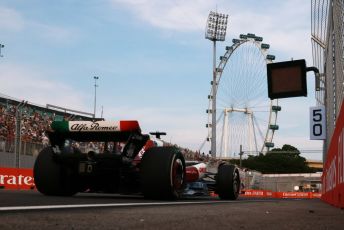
[[23, 125], [22, 128]]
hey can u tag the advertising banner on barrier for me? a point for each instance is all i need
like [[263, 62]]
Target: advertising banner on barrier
[[333, 172], [293, 195], [270, 194], [13, 178]]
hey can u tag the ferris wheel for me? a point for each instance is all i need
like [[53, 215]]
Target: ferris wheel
[[245, 116]]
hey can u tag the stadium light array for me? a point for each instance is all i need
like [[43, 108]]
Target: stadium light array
[[216, 26]]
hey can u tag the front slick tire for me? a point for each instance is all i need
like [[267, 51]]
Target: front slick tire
[[52, 178], [228, 182], [163, 173]]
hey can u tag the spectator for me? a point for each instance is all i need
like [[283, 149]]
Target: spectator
[[45, 141], [2, 141]]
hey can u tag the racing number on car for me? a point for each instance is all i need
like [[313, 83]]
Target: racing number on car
[[317, 123], [89, 168], [84, 167]]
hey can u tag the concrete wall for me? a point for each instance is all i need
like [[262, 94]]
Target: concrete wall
[[7, 160]]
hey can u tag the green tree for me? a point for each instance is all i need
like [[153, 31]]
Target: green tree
[[279, 160]]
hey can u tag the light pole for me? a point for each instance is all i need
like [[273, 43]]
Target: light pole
[[95, 95], [215, 31], [17, 139], [1, 46]]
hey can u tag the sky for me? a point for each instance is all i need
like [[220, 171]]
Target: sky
[[153, 62]]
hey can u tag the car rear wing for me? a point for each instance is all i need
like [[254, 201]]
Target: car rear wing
[[93, 130]]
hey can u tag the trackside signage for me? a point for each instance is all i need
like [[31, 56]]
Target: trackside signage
[[12, 178], [333, 175], [317, 123], [282, 195]]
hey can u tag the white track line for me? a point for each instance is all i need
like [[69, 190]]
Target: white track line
[[72, 206]]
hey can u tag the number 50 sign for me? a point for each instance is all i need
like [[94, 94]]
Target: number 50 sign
[[317, 123]]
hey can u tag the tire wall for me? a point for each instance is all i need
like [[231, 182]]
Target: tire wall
[[333, 172]]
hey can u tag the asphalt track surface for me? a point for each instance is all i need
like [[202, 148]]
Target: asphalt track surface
[[31, 210]]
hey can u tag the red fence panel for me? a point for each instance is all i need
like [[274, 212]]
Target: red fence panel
[[333, 172]]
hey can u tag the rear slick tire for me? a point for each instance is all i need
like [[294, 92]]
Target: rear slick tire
[[51, 178], [163, 174]]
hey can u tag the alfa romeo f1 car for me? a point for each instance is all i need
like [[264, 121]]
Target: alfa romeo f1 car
[[144, 165]]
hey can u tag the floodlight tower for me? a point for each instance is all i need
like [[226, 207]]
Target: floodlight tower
[[215, 31], [95, 95]]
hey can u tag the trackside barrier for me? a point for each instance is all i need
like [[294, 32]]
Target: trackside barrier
[[14, 178], [281, 195], [333, 172]]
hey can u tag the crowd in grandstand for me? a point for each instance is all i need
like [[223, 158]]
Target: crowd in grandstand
[[197, 156], [33, 124]]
